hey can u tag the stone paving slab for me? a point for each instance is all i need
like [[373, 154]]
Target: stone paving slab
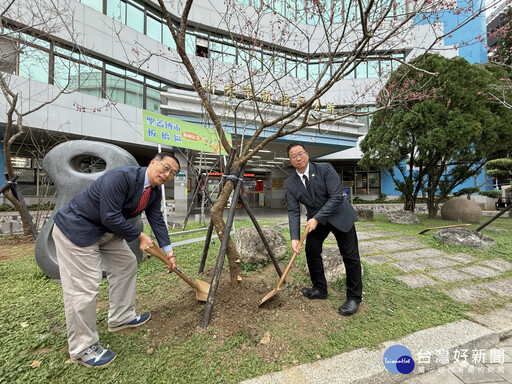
[[377, 259], [478, 373], [443, 377], [450, 275], [479, 271], [498, 264], [469, 294], [365, 235], [461, 258], [361, 236], [395, 245], [499, 287], [499, 321], [409, 266], [416, 254], [441, 262], [365, 249], [416, 281]]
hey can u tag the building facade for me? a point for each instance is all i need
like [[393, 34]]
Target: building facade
[[116, 58]]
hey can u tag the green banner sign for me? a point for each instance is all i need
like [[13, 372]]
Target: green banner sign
[[178, 133]]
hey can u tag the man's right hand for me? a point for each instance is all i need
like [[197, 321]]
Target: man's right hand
[[145, 242], [296, 248]]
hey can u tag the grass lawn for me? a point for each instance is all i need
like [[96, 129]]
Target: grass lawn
[[171, 348]]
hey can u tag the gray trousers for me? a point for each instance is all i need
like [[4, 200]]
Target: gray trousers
[[81, 274]]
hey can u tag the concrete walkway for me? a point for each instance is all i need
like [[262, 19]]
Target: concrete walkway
[[478, 351]]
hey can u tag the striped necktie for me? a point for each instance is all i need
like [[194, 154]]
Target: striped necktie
[[143, 200]]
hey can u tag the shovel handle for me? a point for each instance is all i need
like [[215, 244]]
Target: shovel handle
[[157, 252], [302, 238]]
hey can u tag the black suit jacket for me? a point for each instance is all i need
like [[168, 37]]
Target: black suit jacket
[[107, 204], [325, 203]]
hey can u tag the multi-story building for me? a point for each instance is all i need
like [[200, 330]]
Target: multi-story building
[[117, 59]]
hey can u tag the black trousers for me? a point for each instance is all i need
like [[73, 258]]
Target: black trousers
[[348, 246]]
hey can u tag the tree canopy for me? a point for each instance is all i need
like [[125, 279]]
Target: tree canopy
[[442, 131]]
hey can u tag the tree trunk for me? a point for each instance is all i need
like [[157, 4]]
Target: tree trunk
[[220, 225], [410, 204], [432, 206]]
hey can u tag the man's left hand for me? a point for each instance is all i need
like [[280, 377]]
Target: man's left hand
[[312, 223]]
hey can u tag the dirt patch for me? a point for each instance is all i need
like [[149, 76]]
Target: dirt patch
[[15, 246], [288, 316], [269, 331]]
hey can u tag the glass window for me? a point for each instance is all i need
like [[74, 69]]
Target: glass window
[[399, 8], [362, 183], [190, 44], [153, 99], [152, 82], [291, 67], [8, 55], [65, 73], [94, 4], [134, 76], [313, 71], [134, 94], [385, 67], [228, 54], [91, 80], [167, 37], [301, 71], [154, 28], [115, 86], [362, 70], [115, 69], [279, 65], [373, 69], [337, 11], [116, 9], [34, 64], [348, 176], [135, 18]]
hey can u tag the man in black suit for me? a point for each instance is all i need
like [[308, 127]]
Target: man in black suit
[[318, 187], [90, 235]]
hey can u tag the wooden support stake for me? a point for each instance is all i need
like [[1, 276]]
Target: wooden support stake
[[494, 218], [210, 227], [262, 235], [444, 226], [222, 255]]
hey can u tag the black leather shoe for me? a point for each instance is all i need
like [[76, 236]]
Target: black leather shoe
[[348, 308], [314, 293]]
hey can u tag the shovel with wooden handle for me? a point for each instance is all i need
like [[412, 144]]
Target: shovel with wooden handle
[[274, 291], [202, 288]]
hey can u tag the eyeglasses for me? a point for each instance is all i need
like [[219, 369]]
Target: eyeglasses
[[168, 168], [298, 154]]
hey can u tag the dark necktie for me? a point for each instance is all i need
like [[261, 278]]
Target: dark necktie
[[306, 181], [143, 200]]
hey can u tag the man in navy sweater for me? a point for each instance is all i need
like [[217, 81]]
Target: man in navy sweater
[[90, 235]]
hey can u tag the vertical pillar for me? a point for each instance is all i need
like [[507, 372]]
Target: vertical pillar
[[180, 186]]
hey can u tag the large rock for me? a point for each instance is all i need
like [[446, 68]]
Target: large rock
[[461, 209], [364, 214], [251, 247], [464, 236], [334, 268], [403, 217]]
